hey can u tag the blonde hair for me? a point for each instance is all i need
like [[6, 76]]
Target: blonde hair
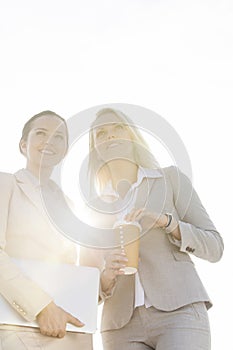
[[142, 154]]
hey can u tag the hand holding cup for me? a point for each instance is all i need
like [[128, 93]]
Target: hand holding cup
[[147, 218]]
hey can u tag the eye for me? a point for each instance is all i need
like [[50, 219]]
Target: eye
[[119, 127], [100, 134], [40, 133], [59, 137]]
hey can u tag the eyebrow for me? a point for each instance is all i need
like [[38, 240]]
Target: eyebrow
[[43, 129], [97, 128]]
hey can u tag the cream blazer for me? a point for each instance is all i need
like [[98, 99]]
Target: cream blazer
[[166, 270], [26, 232]]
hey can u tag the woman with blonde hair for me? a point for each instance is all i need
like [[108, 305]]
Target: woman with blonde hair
[[142, 155], [164, 305]]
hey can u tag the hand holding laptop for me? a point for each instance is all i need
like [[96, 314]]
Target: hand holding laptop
[[74, 290], [52, 321]]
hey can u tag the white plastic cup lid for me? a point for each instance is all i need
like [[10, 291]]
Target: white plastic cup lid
[[124, 222]]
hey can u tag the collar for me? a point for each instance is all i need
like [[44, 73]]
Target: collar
[[24, 176], [109, 194], [32, 178]]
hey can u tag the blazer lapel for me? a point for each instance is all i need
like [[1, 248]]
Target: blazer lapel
[[30, 190], [144, 192]]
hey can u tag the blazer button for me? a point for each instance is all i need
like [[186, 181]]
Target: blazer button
[[188, 249]]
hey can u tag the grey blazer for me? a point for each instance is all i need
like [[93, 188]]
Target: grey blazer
[[166, 270]]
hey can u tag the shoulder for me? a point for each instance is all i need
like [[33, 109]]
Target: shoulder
[[170, 174], [6, 178], [175, 174], [170, 170], [6, 186], [180, 182]]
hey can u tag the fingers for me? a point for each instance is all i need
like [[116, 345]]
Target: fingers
[[74, 321], [114, 263], [52, 321], [116, 260], [146, 218], [135, 214], [54, 332], [60, 331]]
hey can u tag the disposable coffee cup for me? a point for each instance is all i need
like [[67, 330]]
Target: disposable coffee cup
[[128, 235]]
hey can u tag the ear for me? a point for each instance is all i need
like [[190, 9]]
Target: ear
[[23, 147]]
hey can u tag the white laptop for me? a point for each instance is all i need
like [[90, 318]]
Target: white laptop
[[74, 288]]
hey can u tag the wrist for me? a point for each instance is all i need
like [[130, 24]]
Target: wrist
[[108, 281], [168, 220], [172, 227]]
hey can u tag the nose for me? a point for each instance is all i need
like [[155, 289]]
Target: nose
[[49, 140], [111, 134]]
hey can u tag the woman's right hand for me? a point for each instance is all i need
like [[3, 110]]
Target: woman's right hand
[[52, 321], [114, 262]]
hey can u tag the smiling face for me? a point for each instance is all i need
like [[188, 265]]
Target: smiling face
[[46, 143], [112, 138]]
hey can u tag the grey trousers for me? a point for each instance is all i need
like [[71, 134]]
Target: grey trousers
[[186, 328], [23, 338]]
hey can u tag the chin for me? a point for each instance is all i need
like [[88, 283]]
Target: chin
[[49, 163]]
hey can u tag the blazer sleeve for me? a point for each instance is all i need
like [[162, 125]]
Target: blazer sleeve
[[21, 292], [198, 233]]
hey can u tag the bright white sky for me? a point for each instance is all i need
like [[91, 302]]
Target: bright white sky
[[172, 57]]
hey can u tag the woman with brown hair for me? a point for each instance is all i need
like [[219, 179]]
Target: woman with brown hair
[[26, 232]]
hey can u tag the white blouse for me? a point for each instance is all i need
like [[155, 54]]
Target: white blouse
[[109, 194]]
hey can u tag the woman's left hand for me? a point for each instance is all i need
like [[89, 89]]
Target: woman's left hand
[[52, 321], [147, 219]]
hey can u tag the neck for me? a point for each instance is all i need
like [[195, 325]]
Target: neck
[[123, 174], [42, 174]]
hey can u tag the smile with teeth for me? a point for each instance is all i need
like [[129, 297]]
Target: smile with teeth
[[113, 144], [47, 151]]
